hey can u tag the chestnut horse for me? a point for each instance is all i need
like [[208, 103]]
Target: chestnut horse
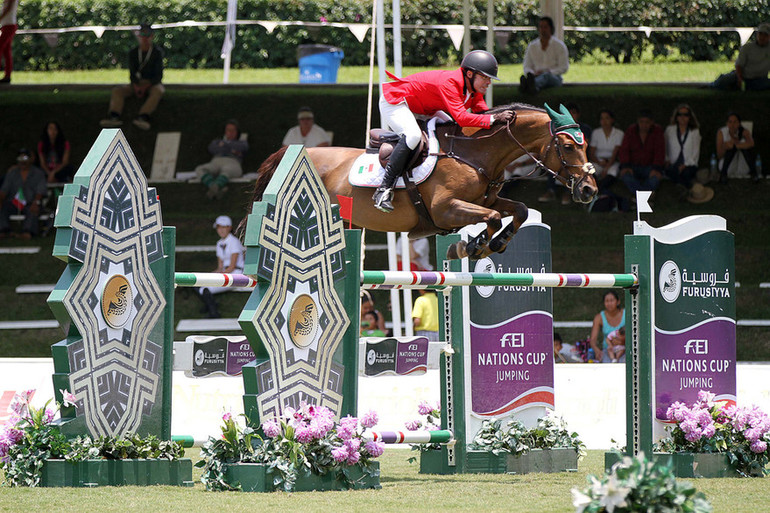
[[469, 173]]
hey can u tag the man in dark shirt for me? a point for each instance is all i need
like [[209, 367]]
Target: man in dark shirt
[[23, 189], [145, 65], [642, 154]]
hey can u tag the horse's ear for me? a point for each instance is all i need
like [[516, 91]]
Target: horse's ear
[[564, 110], [551, 113]]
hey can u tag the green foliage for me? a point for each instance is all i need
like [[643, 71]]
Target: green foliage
[[636, 484], [200, 47], [516, 439]]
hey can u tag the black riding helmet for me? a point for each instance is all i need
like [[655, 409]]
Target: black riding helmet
[[482, 62]]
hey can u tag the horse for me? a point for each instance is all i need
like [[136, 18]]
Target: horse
[[463, 188]]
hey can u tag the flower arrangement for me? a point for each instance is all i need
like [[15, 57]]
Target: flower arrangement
[[636, 484], [30, 437], [514, 438], [430, 422], [705, 426], [300, 442]]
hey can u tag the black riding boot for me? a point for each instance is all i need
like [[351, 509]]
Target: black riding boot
[[383, 196], [211, 304]]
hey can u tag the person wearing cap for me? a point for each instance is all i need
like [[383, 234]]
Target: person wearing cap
[[8, 28], [145, 68], [22, 191], [228, 153], [545, 60], [459, 93], [307, 132], [230, 254], [752, 65]]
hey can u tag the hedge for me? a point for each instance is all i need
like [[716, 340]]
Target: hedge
[[199, 47]]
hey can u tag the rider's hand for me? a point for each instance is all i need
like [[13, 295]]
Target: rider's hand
[[503, 117]]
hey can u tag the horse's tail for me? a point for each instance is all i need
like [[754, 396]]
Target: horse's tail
[[265, 173]]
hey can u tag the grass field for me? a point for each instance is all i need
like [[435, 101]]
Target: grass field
[[682, 72], [403, 489]]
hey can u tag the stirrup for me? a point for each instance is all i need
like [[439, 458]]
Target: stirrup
[[382, 199]]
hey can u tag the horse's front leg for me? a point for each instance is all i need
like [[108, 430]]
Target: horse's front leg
[[460, 213], [508, 207]]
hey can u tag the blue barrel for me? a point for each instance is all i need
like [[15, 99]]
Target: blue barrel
[[318, 64]]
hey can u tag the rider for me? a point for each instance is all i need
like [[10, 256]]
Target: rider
[[427, 92]]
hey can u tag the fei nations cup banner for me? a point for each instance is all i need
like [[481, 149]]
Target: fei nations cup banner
[[693, 272], [509, 353]]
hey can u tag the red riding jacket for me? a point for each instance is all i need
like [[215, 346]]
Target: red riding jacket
[[430, 91]]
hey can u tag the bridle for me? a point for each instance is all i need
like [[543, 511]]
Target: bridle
[[571, 182]]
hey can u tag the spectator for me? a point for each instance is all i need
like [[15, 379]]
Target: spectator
[[642, 154], [369, 323], [682, 146], [616, 345], [563, 352], [8, 28], [307, 132], [545, 60], [367, 305], [550, 193], [455, 92], [425, 315], [611, 318], [53, 153], [419, 254], [228, 153], [735, 150], [145, 67], [21, 193], [751, 67], [604, 149], [230, 254]]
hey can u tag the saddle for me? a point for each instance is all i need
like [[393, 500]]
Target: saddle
[[382, 141]]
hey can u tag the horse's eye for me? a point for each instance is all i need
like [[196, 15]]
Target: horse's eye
[[569, 147]]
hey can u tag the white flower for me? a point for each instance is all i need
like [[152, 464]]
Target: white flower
[[580, 500], [613, 495]]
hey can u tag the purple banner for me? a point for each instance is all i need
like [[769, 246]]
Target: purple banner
[[412, 356], [238, 355], [701, 358], [512, 365]]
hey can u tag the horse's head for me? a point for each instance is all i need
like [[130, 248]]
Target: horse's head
[[565, 156]]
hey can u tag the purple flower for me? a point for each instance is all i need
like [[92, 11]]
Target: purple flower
[[424, 408], [370, 419], [709, 431], [340, 453], [693, 436], [68, 398], [706, 397], [345, 431], [323, 19], [271, 428], [304, 434], [15, 435], [375, 449], [227, 417], [353, 457], [48, 416], [353, 444], [677, 411], [758, 446], [413, 425]]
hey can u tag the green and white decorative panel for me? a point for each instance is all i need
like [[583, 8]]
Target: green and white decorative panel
[[295, 319], [110, 299]]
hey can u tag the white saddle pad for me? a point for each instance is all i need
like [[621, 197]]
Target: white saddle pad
[[366, 170]]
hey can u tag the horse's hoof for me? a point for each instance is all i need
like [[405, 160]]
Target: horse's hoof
[[457, 250]]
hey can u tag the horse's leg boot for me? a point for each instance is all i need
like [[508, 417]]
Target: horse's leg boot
[[383, 196]]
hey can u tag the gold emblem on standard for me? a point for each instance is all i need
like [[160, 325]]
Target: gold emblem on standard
[[303, 321], [116, 301]]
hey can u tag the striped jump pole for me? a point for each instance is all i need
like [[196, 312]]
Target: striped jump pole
[[432, 279], [214, 280], [440, 436]]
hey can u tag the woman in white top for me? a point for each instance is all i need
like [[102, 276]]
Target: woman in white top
[[682, 145], [735, 150], [603, 151]]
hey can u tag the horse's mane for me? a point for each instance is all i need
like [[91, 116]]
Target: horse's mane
[[500, 108], [265, 173]]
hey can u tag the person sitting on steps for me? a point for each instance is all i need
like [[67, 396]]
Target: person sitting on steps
[[425, 93], [230, 255]]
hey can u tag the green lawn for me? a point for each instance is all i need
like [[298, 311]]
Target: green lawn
[[691, 72], [403, 489]]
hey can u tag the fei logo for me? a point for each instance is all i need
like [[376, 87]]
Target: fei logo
[[696, 346], [670, 281], [512, 340]]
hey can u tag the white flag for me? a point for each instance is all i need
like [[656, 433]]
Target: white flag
[[642, 202]]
